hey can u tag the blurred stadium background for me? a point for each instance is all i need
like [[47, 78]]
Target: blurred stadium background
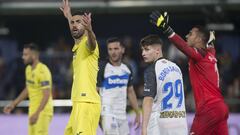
[[41, 21]]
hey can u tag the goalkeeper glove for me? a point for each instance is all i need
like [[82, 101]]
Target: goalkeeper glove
[[161, 21], [212, 39]]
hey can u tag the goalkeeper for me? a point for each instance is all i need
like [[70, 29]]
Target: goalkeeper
[[211, 111]]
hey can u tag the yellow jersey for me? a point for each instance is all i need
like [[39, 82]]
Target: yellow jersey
[[38, 79], [85, 68]]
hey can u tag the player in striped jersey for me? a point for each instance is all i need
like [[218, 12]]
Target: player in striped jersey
[[115, 85]]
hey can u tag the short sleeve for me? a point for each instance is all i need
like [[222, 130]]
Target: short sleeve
[[100, 75], [130, 80], [150, 84], [45, 78]]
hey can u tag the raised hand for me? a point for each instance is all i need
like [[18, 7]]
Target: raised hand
[[161, 21], [212, 39], [87, 21], [65, 8]]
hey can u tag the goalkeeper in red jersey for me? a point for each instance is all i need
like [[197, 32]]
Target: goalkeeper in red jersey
[[211, 111]]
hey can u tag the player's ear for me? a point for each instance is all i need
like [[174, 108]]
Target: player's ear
[[156, 47], [123, 50]]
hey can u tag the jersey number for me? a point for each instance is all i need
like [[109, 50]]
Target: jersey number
[[174, 89]]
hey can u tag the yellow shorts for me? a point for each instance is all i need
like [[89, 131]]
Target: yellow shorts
[[84, 119], [42, 125]]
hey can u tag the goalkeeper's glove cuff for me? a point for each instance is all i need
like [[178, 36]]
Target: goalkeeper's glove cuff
[[168, 31]]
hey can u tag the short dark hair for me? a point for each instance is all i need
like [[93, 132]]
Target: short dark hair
[[151, 40], [114, 39], [204, 33], [32, 46], [79, 12]]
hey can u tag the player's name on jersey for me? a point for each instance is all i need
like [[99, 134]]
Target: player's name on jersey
[[168, 70], [173, 114]]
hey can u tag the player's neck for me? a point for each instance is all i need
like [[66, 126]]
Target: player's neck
[[117, 63], [158, 57], [79, 39], [34, 64]]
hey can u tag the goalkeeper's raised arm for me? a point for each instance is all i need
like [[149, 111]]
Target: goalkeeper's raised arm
[[197, 38], [210, 107]]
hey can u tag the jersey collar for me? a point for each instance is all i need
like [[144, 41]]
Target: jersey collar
[[77, 45], [158, 59]]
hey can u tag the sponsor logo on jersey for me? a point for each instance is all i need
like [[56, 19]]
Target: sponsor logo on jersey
[[147, 90], [173, 114], [116, 81], [79, 133], [83, 94]]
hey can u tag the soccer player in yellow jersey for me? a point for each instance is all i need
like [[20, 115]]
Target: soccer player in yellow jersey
[[85, 113], [38, 89]]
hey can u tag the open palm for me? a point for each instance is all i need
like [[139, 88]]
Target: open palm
[[65, 8]]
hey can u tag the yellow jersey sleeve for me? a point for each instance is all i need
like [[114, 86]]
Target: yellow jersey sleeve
[[45, 78], [39, 79]]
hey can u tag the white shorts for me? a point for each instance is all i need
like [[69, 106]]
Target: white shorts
[[166, 126], [113, 126]]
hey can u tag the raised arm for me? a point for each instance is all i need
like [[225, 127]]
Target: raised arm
[[161, 21], [211, 42], [65, 8], [87, 23], [191, 52]]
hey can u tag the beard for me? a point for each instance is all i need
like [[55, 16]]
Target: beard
[[76, 34], [115, 58], [29, 62]]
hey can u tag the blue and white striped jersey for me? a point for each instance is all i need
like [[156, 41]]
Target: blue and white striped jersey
[[113, 82]]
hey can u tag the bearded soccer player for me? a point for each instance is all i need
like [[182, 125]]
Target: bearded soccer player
[[115, 85], [38, 89], [211, 111], [85, 113]]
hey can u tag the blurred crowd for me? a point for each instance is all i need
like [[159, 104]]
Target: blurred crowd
[[57, 55]]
